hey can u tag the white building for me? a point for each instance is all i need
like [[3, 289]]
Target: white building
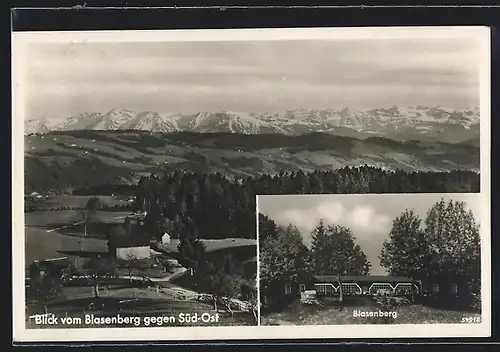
[[125, 247], [165, 239]]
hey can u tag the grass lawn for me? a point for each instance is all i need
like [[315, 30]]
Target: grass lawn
[[44, 236], [300, 314], [71, 201], [50, 219], [41, 245], [46, 218], [214, 245]]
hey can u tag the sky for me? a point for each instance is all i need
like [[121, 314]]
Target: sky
[[368, 216], [66, 79]]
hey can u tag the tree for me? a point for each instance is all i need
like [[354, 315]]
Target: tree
[[191, 250], [155, 225], [446, 250], [222, 279], [131, 264], [249, 293], [99, 269], [127, 225], [43, 284], [405, 251], [115, 231], [283, 259], [334, 252], [281, 256], [453, 241], [267, 228], [88, 214]]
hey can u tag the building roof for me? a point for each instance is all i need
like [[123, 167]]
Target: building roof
[[363, 278], [129, 241], [62, 261]]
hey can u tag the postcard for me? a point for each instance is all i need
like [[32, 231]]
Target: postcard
[[166, 174]]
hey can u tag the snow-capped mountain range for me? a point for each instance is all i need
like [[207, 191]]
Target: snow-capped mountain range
[[416, 122]]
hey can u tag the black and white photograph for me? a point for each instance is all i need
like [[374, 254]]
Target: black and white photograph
[[370, 259], [141, 156]]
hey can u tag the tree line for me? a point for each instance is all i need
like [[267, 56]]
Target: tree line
[[363, 179], [442, 249], [216, 206]]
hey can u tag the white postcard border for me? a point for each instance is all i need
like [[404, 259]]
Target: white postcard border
[[21, 334]]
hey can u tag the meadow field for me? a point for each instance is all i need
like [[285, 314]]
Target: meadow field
[[46, 233], [301, 314], [212, 245], [74, 202]]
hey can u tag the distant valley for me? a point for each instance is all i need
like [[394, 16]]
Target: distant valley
[[75, 159]]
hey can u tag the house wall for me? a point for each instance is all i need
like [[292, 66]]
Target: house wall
[[138, 252], [371, 288], [276, 295], [448, 290]]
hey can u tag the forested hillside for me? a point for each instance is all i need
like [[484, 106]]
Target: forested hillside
[[215, 206]]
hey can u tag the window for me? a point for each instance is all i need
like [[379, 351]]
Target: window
[[320, 289], [351, 288], [435, 288], [325, 289], [302, 287], [288, 289]]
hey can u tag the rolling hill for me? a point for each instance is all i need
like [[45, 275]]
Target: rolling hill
[[77, 159]]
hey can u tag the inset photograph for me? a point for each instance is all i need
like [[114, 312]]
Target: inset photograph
[[145, 157], [370, 259]]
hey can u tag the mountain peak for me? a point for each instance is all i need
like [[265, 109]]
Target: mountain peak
[[413, 122]]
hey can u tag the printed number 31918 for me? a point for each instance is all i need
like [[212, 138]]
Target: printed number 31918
[[471, 319]]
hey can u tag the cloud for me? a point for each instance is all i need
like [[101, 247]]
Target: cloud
[[365, 218], [368, 225], [299, 218], [360, 219], [250, 76], [331, 212]]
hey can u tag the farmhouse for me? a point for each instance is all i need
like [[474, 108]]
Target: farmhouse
[[366, 285], [165, 239], [332, 286], [122, 247], [452, 291]]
